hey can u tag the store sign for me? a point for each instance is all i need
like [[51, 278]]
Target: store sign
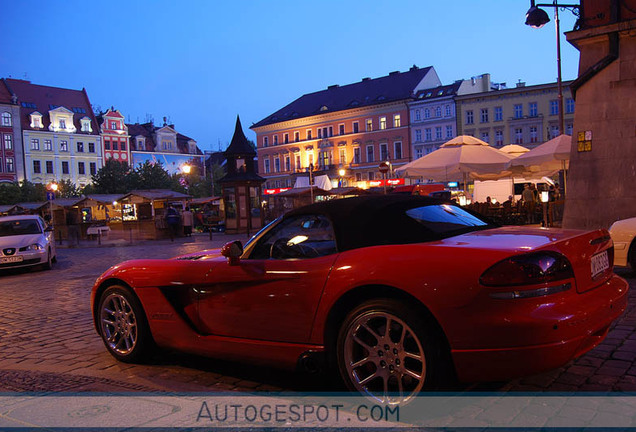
[[584, 141], [275, 191], [389, 182]]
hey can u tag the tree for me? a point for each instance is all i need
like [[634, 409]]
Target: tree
[[10, 193], [113, 178], [67, 189], [151, 176]]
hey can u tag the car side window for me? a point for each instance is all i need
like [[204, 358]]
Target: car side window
[[298, 237]]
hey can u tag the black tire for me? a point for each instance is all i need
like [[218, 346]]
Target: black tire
[[123, 325], [48, 265], [386, 366]]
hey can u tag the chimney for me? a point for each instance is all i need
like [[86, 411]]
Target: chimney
[[521, 84], [165, 121]]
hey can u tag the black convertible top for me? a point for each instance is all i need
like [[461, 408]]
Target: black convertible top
[[374, 219]]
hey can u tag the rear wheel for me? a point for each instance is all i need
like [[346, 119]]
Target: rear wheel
[[123, 326], [387, 351]]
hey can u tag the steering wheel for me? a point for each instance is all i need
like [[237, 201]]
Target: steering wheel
[[281, 249]]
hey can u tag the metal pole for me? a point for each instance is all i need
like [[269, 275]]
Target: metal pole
[[559, 80]]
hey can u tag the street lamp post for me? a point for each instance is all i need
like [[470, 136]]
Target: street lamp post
[[537, 18], [341, 173]]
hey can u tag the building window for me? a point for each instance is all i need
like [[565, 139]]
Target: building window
[[356, 155], [10, 166], [86, 125], [384, 152], [286, 138], [484, 115], [382, 123], [266, 166], [342, 156], [485, 137], [308, 134], [36, 120], [113, 125], [397, 120], [371, 175], [518, 110], [417, 115], [518, 136], [370, 154], [428, 134], [419, 152], [275, 139], [35, 144], [6, 119], [449, 131], [418, 135], [287, 163], [397, 150], [276, 164], [533, 111], [448, 110], [554, 107], [369, 125], [141, 145], [469, 117], [91, 147], [324, 159], [93, 168], [358, 177], [123, 147], [296, 136], [438, 112], [341, 129], [569, 106], [499, 137], [48, 145], [427, 113], [115, 145], [554, 132], [81, 169], [568, 129], [80, 147], [36, 167], [298, 161], [356, 127], [107, 145], [534, 137], [64, 167], [265, 143], [330, 131], [438, 132], [62, 124], [63, 146], [8, 142], [49, 167], [498, 113]]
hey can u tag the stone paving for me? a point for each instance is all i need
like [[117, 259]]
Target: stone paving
[[48, 343]]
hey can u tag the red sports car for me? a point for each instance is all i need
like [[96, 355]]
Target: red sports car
[[394, 293]]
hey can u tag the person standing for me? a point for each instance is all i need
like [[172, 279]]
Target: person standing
[[528, 202], [172, 220], [188, 221]]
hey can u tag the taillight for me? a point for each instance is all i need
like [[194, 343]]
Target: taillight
[[528, 269]]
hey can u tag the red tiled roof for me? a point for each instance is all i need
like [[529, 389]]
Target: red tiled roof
[[5, 94], [45, 98]]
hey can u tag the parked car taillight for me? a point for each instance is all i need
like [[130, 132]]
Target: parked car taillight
[[528, 269]]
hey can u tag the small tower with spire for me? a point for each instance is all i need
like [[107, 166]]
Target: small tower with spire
[[241, 186]]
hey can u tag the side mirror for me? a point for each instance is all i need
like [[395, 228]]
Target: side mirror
[[232, 251], [48, 228]]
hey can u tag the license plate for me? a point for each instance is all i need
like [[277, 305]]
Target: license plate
[[600, 263], [12, 259]]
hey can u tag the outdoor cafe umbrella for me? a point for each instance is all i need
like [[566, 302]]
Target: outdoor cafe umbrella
[[547, 158], [457, 160], [514, 150]]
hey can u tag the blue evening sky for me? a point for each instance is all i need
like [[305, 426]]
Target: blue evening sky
[[200, 63]]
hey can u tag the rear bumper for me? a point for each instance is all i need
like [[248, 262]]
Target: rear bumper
[[569, 329]]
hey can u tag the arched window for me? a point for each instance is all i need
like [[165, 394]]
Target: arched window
[[6, 119]]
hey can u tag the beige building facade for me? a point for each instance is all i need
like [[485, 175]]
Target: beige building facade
[[524, 115]]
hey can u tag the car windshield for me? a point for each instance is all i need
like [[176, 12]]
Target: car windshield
[[444, 218], [17, 227]]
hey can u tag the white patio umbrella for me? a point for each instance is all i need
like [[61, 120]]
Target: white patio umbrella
[[547, 158], [514, 150], [461, 158]]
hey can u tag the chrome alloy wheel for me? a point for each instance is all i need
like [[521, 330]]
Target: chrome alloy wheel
[[384, 358], [118, 324]]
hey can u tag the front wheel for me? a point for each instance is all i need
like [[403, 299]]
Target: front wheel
[[123, 326], [387, 351]]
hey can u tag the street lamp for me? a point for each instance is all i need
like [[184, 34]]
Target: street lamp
[[53, 188], [537, 18], [341, 173], [186, 169]]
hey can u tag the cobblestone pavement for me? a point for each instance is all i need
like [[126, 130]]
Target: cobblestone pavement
[[47, 340]]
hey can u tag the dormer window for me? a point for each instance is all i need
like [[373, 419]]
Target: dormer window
[[62, 124], [192, 148], [36, 120], [113, 125], [86, 125], [6, 119], [141, 145]]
